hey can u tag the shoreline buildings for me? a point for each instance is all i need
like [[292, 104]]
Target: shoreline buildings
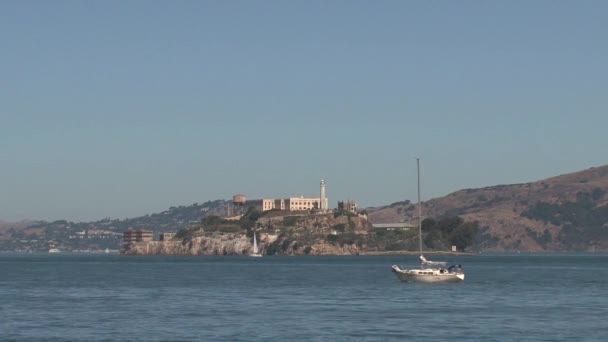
[[137, 235]]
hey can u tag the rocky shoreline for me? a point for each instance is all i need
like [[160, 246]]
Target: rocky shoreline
[[239, 244]]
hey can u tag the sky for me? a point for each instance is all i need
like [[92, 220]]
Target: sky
[[125, 108]]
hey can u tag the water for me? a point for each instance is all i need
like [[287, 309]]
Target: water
[[124, 298]]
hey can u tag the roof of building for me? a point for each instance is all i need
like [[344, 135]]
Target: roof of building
[[138, 230]]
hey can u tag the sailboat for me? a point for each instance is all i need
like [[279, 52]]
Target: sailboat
[[427, 273], [256, 252]]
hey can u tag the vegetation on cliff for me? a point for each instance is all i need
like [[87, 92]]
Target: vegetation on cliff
[[213, 223], [584, 221], [449, 231]]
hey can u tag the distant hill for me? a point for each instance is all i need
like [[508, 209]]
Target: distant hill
[[106, 233], [563, 213], [4, 226]]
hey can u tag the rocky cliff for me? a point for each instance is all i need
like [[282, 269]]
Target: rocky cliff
[[237, 244], [208, 244]]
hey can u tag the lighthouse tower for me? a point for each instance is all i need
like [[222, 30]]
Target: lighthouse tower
[[323, 202]]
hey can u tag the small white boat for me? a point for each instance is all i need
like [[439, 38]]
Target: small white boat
[[54, 250], [256, 252], [452, 274]]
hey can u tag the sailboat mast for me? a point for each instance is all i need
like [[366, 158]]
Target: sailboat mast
[[419, 206]]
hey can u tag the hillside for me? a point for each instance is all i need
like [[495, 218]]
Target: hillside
[[567, 212], [98, 235], [4, 226]]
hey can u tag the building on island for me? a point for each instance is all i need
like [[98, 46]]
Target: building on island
[[137, 235], [239, 199], [323, 202], [166, 236], [347, 206], [291, 203], [261, 204]]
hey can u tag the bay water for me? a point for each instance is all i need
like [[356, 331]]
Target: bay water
[[105, 297]]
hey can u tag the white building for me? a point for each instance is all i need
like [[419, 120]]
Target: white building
[[323, 199], [293, 203]]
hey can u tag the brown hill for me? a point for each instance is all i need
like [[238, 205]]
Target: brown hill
[[567, 212], [4, 226]]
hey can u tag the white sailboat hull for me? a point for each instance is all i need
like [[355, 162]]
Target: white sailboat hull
[[429, 275]]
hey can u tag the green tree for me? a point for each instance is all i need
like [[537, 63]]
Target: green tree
[[463, 235], [250, 218]]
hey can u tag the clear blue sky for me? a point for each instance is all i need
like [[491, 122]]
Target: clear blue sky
[[124, 108]]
